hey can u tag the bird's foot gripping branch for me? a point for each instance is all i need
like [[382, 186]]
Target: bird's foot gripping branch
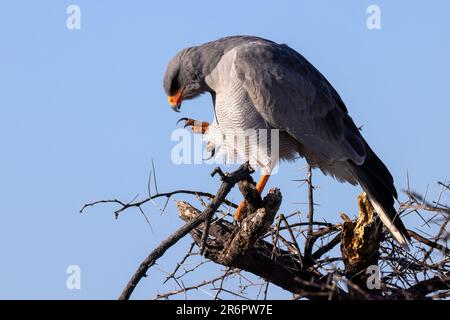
[[230, 244], [301, 257]]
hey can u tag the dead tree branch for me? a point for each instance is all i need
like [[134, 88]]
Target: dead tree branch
[[271, 251], [228, 182], [242, 248]]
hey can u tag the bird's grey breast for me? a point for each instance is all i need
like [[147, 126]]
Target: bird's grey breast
[[238, 125], [233, 106]]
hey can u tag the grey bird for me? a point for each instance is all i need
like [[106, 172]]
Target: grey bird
[[259, 84]]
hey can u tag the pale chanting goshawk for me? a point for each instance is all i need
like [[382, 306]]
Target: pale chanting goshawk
[[259, 84]]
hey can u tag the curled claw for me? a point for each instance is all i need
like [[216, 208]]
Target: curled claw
[[213, 152], [196, 126], [182, 119], [187, 121]]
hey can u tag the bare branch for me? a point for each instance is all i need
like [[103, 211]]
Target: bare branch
[[228, 181]]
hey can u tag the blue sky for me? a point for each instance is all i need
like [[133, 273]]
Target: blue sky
[[83, 113]]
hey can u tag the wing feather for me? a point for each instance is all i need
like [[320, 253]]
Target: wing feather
[[291, 94]]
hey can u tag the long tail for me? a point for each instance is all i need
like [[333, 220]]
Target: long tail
[[377, 182]]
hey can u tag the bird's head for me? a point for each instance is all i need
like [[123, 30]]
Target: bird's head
[[184, 78]]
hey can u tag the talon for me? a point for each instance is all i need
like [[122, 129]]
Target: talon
[[187, 122], [213, 152], [196, 126], [182, 119]]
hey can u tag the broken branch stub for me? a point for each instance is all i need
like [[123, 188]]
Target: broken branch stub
[[242, 238], [360, 241]]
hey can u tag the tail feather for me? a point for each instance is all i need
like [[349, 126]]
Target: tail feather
[[394, 225], [377, 182]]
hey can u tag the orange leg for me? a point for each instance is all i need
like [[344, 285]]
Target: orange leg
[[259, 187]]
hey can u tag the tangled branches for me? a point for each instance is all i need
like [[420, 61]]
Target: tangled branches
[[302, 257]]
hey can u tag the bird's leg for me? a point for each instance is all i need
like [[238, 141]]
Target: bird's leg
[[196, 126], [259, 187]]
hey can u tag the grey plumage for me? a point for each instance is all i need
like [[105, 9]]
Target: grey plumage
[[259, 84]]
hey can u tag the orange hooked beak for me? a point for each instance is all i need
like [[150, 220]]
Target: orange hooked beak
[[175, 100]]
